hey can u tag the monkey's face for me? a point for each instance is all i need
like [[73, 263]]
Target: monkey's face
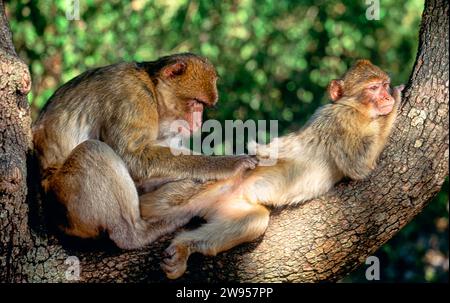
[[193, 84], [376, 95]]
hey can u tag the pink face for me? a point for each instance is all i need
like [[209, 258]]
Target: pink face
[[205, 95], [378, 95]]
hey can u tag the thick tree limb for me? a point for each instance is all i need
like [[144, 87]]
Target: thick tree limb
[[15, 140], [321, 240]]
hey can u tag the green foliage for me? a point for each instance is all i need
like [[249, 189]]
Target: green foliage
[[274, 57]]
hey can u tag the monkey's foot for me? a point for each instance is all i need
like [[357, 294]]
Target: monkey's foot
[[175, 262]]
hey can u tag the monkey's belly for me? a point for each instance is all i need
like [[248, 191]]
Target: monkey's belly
[[289, 184], [312, 184]]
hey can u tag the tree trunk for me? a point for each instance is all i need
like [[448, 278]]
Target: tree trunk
[[15, 142], [323, 239]]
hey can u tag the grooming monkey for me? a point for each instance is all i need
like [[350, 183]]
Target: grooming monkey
[[342, 139], [102, 134]]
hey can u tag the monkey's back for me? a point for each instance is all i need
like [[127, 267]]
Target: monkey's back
[[78, 110]]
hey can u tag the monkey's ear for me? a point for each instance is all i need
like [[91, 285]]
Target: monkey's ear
[[336, 89], [174, 69]]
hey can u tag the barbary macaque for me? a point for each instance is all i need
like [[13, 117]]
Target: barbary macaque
[[342, 139], [100, 136]]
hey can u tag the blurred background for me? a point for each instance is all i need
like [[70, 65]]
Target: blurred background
[[275, 59]]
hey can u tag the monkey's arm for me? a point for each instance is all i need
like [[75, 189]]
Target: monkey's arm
[[137, 146], [132, 131], [355, 161], [354, 146], [158, 161]]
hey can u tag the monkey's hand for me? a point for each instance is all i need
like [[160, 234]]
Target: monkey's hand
[[228, 166]]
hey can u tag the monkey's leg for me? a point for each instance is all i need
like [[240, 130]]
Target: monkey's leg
[[230, 224], [172, 199], [175, 203], [167, 208], [99, 194]]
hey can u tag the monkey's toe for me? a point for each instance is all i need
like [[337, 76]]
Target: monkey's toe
[[175, 263], [174, 272], [169, 252]]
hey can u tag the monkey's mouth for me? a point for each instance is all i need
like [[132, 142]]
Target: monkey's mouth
[[386, 109], [387, 105]]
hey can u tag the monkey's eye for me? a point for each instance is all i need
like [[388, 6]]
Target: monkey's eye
[[373, 87]]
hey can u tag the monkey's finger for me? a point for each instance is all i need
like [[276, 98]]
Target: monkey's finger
[[173, 272], [170, 251], [172, 262], [400, 87], [171, 265], [243, 163], [248, 165], [175, 265], [397, 92], [252, 160]]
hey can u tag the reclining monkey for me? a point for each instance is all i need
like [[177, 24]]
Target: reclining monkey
[[342, 139]]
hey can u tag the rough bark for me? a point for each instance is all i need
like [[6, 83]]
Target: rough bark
[[15, 139], [321, 240]]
